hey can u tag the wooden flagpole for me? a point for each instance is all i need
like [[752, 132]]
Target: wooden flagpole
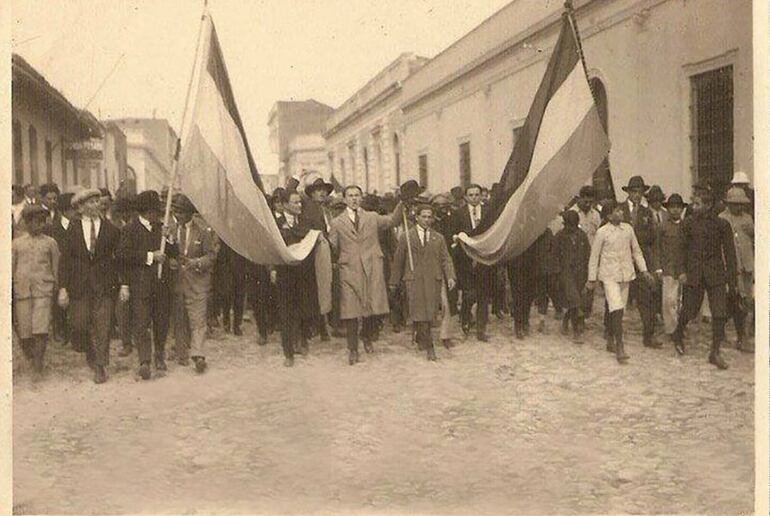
[[172, 177], [408, 242]]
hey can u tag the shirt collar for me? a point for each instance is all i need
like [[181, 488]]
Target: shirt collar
[[145, 223], [351, 212], [290, 219], [65, 222]]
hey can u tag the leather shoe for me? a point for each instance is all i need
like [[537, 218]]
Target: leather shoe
[[200, 364], [431, 354], [237, 331], [352, 357], [100, 376], [447, 343], [144, 370], [368, 347]]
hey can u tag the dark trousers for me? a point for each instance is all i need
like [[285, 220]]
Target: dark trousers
[[90, 331], [151, 311], [480, 293], [234, 299], [547, 289], [260, 300], [523, 289], [737, 311], [123, 317], [293, 331], [34, 350], [61, 327], [397, 302], [499, 301], [692, 299], [645, 301], [368, 331], [422, 334]]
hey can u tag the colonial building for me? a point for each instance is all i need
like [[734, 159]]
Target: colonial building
[[151, 144], [364, 135], [51, 137], [672, 78], [295, 135]]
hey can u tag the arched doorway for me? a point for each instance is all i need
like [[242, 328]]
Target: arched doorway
[[602, 179]]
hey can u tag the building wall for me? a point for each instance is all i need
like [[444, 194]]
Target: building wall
[[644, 52], [151, 144]]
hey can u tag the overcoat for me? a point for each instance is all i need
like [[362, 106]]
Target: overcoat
[[362, 278], [572, 252], [202, 247], [432, 266]]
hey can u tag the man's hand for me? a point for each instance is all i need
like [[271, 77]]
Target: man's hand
[[450, 284], [169, 231], [158, 257], [273, 276], [64, 298], [124, 294]]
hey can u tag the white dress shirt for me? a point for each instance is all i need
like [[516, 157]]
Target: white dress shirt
[[65, 222], [187, 228], [423, 234], [86, 224], [475, 212]]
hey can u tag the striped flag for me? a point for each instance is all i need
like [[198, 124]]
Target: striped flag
[[216, 169], [562, 143]]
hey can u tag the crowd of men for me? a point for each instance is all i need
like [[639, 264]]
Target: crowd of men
[[87, 268]]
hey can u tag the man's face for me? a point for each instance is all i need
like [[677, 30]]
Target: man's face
[[30, 192], [50, 200], [353, 198], [473, 196], [294, 205], [585, 203], [675, 212], [182, 216], [278, 206], [425, 218], [698, 206], [319, 195], [636, 194], [616, 217], [90, 207], [35, 224]]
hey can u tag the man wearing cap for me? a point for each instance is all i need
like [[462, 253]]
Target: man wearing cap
[[709, 266], [426, 275], [89, 274], [139, 252], [475, 279], [670, 252], [196, 252], [589, 218], [641, 219], [354, 235], [741, 300], [58, 231]]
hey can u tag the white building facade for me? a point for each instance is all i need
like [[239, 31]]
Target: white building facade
[[673, 79]]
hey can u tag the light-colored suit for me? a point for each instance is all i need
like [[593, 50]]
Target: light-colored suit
[[192, 286], [362, 279]]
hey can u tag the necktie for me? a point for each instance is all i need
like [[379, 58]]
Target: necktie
[[424, 237], [92, 247], [355, 219]]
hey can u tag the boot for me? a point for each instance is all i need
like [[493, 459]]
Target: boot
[[40, 345], [352, 357], [565, 325], [678, 338], [578, 331], [431, 353], [716, 341], [617, 325]]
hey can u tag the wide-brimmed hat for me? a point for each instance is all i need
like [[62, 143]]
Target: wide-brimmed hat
[[410, 190], [636, 182], [736, 195], [147, 201], [674, 200], [655, 193], [31, 210], [83, 195], [319, 184], [587, 192], [740, 178], [181, 202]]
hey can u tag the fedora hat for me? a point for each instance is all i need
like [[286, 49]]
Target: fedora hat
[[84, 195], [147, 201], [319, 184], [655, 193], [636, 182], [740, 178], [736, 195], [183, 203], [674, 200], [410, 190]]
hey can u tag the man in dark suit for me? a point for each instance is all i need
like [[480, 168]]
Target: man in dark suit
[[57, 230], [297, 297], [139, 252], [641, 219], [475, 279], [49, 197], [89, 274], [710, 265]]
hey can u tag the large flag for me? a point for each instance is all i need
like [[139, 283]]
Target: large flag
[[216, 169], [562, 143]]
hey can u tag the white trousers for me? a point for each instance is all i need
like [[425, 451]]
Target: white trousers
[[446, 314], [671, 303]]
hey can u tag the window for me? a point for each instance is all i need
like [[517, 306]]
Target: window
[[422, 161], [18, 155], [465, 164], [711, 116], [33, 170], [48, 161]]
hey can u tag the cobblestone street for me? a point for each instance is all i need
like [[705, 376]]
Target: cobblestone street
[[540, 426]]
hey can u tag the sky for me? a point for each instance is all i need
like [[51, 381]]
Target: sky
[[122, 58]]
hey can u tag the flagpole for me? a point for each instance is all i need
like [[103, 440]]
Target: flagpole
[[174, 166], [408, 243]]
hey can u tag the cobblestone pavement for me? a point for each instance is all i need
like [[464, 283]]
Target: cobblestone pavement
[[540, 426]]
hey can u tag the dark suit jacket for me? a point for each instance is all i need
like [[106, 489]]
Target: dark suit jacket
[[709, 251], [135, 243], [297, 288], [82, 274], [646, 233], [56, 231], [467, 274]]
